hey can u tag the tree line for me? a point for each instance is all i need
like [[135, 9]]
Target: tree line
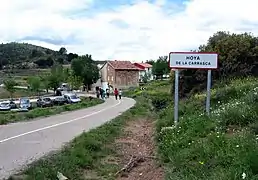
[[83, 72]]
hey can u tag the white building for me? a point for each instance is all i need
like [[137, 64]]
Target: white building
[[145, 68], [102, 81]]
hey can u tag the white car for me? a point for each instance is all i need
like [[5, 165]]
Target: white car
[[5, 106], [72, 98]]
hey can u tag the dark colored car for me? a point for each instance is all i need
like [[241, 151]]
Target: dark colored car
[[44, 102], [12, 104], [59, 101]]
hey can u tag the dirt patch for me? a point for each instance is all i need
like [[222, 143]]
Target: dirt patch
[[137, 152]]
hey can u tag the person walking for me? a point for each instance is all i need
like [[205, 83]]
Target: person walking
[[116, 93], [101, 93], [107, 92], [120, 93], [104, 94], [97, 92]]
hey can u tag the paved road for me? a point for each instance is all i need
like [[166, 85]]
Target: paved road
[[21, 143]]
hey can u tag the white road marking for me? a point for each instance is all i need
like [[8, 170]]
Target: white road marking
[[58, 124]]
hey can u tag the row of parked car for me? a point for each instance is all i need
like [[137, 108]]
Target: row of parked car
[[26, 104]]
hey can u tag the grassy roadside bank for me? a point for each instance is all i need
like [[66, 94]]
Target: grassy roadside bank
[[220, 147], [10, 117], [85, 153]]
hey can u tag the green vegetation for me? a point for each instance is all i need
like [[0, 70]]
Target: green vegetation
[[77, 76], [222, 146], [238, 54], [28, 56], [160, 67], [9, 85], [17, 93], [85, 68], [86, 152], [34, 83], [9, 117]]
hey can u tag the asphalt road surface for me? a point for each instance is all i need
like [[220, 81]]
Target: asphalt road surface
[[23, 142]]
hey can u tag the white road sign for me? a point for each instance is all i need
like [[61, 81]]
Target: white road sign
[[193, 60]]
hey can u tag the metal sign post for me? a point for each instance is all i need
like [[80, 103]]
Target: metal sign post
[[208, 97], [192, 60], [176, 96]]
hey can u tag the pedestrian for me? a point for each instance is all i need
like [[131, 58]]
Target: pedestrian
[[103, 94], [107, 92], [100, 92], [97, 91], [116, 93], [120, 93]]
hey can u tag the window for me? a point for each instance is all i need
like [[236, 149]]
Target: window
[[73, 97], [108, 78], [112, 78]]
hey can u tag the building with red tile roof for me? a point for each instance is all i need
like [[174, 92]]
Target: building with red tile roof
[[123, 65], [119, 74], [146, 68], [143, 66]]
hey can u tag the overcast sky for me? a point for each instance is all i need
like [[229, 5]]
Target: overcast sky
[[133, 30]]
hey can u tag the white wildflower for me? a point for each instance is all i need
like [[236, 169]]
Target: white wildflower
[[243, 175]]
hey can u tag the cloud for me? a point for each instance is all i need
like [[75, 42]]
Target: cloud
[[133, 30]]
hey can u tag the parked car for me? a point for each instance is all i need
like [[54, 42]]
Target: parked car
[[60, 100], [12, 104], [25, 103], [5, 106], [44, 102], [72, 98]]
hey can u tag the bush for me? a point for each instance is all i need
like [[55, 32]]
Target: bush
[[160, 102]]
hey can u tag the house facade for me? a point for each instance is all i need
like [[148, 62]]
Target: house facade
[[122, 74], [145, 68], [117, 74]]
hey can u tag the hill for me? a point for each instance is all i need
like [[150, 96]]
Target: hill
[[25, 56]]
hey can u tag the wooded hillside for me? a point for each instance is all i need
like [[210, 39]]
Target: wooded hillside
[[25, 56]]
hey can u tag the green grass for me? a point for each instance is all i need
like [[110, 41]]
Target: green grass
[[9, 117], [86, 152], [220, 147]]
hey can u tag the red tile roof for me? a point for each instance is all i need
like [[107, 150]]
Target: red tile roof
[[123, 65], [145, 65]]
